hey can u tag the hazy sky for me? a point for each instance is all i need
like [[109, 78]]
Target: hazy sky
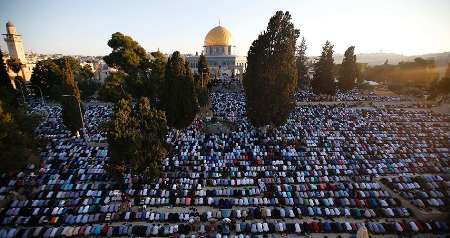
[[84, 26]]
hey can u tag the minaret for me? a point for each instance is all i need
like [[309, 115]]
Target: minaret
[[15, 43]]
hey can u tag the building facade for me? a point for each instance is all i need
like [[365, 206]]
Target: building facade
[[219, 54]]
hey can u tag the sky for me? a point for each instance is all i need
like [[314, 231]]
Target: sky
[[83, 27]]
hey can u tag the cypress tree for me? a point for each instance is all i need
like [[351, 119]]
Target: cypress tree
[[180, 99], [302, 70], [323, 82], [155, 84], [348, 70], [71, 105], [271, 77]]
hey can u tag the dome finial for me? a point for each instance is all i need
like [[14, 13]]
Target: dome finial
[[10, 24]]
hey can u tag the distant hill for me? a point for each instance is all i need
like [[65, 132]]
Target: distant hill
[[380, 58], [442, 59]]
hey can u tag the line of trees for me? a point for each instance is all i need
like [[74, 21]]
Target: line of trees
[[277, 67], [405, 77]]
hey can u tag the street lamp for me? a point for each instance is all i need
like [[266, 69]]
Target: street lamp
[[81, 114]]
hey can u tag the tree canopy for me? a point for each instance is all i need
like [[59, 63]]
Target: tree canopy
[[136, 139], [323, 81], [112, 89], [445, 81], [7, 92], [86, 72], [17, 142], [442, 86], [143, 73], [180, 99], [271, 77], [348, 70], [418, 74], [49, 75], [127, 55], [154, 86], [88, 87]]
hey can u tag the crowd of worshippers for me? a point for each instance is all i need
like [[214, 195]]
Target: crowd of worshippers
[[318, 173], [344, 96], [425, 192]]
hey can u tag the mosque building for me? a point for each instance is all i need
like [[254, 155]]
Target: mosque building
[[16, 51], [219, 54]]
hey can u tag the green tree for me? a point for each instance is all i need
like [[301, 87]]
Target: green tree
[[154, 87], [144, 73], [271, 77], [127, 55], [17, 143], [201, 91], [379, 73], [180, 99], [323, 81], [7, 91], [136, 139], [71, 104], [15, 65], [49, 75], [112, 89], [88, 87], [442, 86], [74, 64], [302, 69], [202, 80], [86, 72], [348, 70]]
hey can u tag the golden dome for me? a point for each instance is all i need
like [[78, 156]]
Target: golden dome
[[219, 35]]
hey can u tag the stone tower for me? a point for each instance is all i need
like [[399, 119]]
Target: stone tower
[[15, 49], [15, 43]]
